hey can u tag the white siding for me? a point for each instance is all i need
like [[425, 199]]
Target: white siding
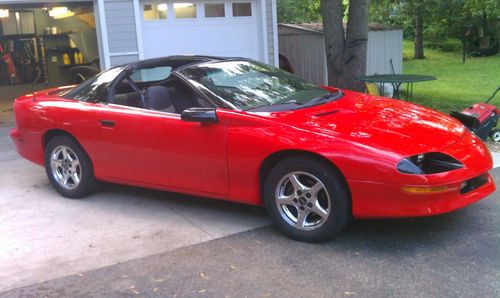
[[119, 19], [123, 59], [270, 30]]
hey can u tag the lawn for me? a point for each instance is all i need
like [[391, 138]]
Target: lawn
[[457, 85]]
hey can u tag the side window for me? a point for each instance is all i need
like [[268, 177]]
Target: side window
[[153, 12], [151, 74], [242, 9], [174, 97], [214, 10], [185, 10]]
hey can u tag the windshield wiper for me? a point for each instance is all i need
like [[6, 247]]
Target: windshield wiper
[[324, 99]]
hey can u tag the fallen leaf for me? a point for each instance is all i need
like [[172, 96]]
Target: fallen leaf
[[232, 267], [203, 275], [202, 291], [155, 290], [132, 287], [135, 292]]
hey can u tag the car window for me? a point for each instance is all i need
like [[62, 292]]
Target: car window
[[94, 89], [151, 74], [248, 84]]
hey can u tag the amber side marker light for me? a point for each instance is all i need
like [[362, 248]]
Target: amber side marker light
[[424, 190]]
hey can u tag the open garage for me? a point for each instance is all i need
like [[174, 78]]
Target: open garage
[[43, 40]]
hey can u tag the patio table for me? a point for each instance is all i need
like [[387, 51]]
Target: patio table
[[397, 80]]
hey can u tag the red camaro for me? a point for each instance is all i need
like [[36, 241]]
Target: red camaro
[[243, 131]]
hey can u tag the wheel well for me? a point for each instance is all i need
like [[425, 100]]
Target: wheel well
[[273, 159], [49, 135], [55, 132]]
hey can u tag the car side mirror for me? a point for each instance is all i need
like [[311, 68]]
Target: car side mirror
[[206, 115]]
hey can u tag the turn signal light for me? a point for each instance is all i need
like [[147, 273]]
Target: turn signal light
[[424, 190]]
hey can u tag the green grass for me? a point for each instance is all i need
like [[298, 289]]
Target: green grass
[[457, 85]]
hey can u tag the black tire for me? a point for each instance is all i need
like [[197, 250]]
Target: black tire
[[83, 167], [495, 135], [335, 196]]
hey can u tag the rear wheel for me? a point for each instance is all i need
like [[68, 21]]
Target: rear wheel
[[68, 167], [307, 199]]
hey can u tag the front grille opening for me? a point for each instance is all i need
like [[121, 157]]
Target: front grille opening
[[474, 183]]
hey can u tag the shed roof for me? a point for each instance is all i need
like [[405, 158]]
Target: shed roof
[[318, 27]]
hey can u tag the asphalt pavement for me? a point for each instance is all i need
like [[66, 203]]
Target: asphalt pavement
[[451, 255]]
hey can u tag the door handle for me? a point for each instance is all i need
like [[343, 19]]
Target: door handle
[[107, 123]]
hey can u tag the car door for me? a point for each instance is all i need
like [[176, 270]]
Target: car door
[[159, 149]]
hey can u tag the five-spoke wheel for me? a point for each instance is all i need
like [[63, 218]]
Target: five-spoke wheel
[[307, 198], [303, 200], [68, 167], [65, 167]]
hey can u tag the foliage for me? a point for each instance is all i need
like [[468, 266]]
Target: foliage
[[444, 20], [445, 45], [298, 11], [458, 85]]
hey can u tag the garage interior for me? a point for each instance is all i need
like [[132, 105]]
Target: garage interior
[[41, 43]]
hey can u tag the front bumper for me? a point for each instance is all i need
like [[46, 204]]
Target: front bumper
[[385, 200]]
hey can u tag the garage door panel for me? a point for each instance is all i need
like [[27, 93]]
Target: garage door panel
[[228, 36]]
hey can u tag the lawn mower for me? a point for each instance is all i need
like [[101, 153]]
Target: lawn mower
[[481, 119]]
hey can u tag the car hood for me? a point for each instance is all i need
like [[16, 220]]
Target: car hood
[[378, 122]]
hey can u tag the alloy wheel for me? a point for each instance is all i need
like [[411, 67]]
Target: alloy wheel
[[65, 167], [303, 200]]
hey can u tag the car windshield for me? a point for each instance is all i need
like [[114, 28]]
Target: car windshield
[[250, 85], [94, 89]]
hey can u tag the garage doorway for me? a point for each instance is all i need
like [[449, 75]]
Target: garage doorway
[[41, 43]]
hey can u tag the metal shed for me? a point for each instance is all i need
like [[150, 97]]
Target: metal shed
[[304, 47]]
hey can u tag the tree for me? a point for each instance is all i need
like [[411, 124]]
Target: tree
[[346, 48], [419, 29], [297, 11]]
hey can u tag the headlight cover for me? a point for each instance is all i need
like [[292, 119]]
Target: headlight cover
[[428, 163]]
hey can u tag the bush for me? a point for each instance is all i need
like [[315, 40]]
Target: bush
[[446, 45]]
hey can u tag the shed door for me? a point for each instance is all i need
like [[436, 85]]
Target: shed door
[[219, 28]]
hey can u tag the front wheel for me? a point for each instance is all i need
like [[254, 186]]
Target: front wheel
[[307, 199], [495, 135], [68, 167]]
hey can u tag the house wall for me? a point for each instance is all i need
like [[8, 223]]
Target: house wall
[[305, 50], [270, 24], [119, 34], [120, 31]]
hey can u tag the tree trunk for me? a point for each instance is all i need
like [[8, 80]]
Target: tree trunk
[[419, 30], [333, 29], [356, 45], [345, 49]]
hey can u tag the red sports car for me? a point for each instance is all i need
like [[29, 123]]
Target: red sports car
[[243, 131]]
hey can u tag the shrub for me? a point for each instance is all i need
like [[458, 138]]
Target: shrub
[[446, 45]]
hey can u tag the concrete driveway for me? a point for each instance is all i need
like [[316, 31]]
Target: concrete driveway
[[44, 236]]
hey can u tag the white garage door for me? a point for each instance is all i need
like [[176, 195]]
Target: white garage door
[[224, 28]]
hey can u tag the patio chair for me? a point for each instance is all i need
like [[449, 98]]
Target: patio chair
[[372, 89]]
